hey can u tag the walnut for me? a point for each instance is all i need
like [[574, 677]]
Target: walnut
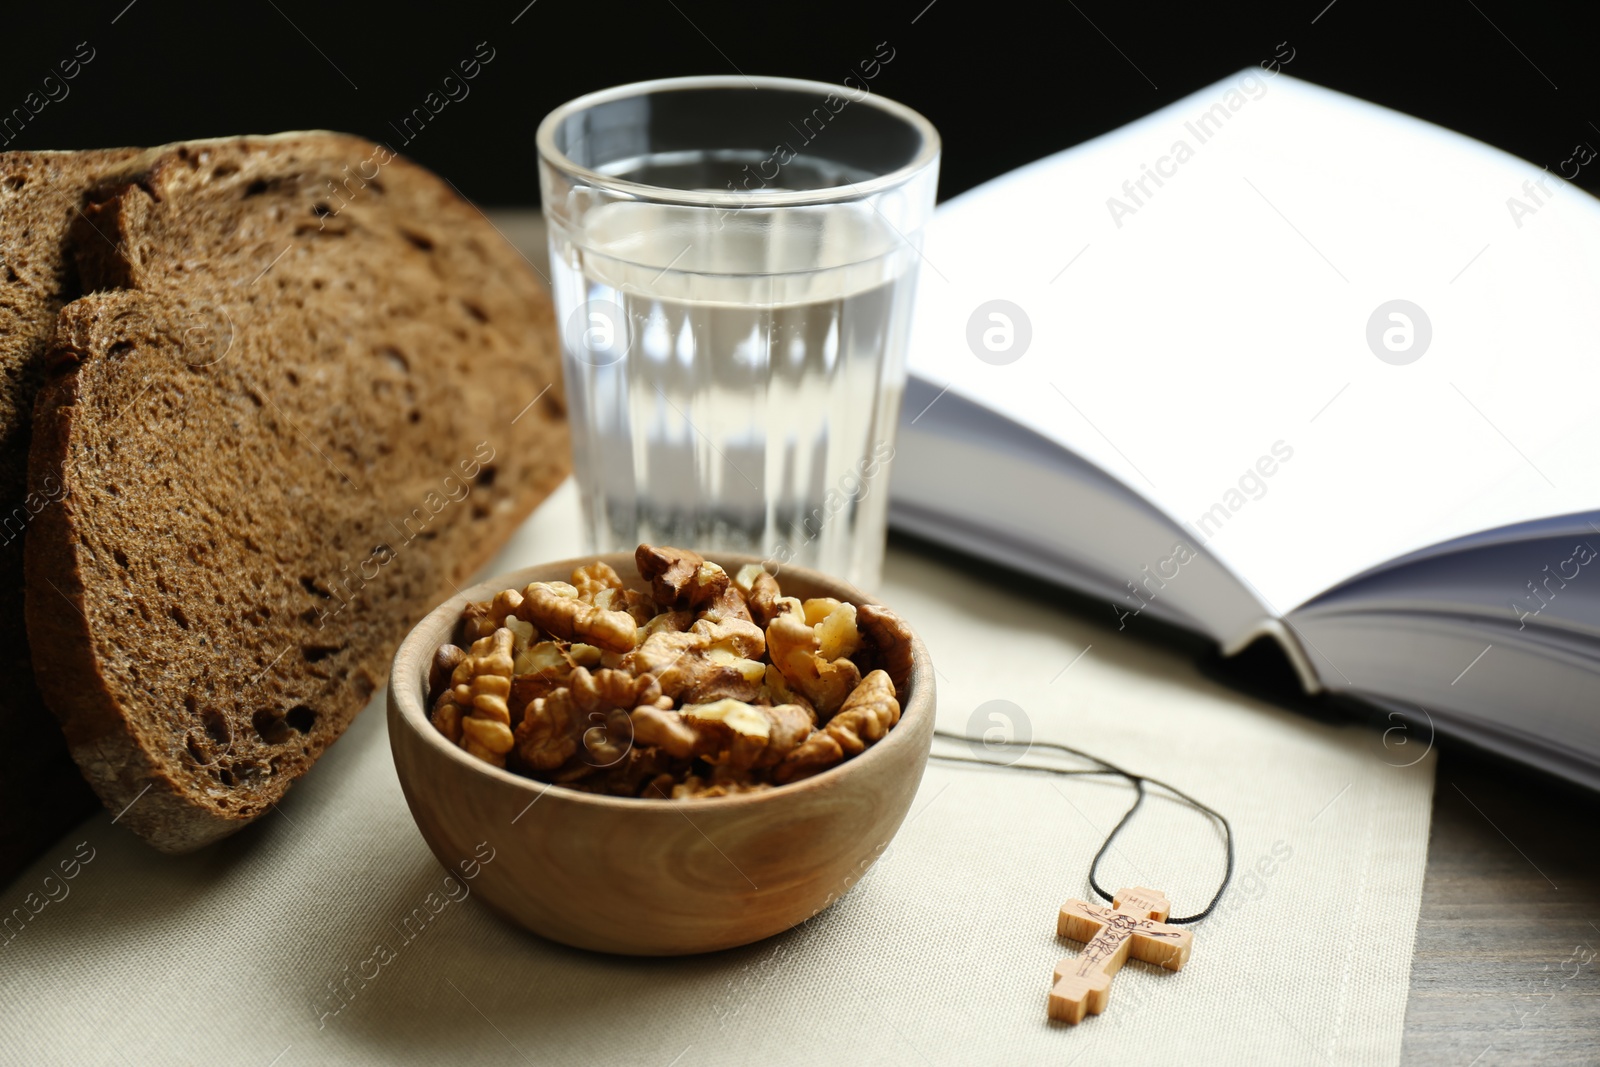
[[476, 621], [522, 640], [557, 609], [546, 656], [664, 729], [506, 603], [690, 669], [641, 606], [523, 633], [594, 579], [473, 712], [761, 593], [729, 604], [666, 622], [678, 577], [662, 654], [711, 680], [607, 737], [446, 718], [887, 645], [482, 618], [785, 726], [865, 718], [544, 667], [733, 647], [600, 585], [775, 689], [580, 713], [725, 732], [613, 689], [440, 670], [547, 736], [837, 636], [788, 725], [726, 675], [741, 637], [541, 668], [795, 648]]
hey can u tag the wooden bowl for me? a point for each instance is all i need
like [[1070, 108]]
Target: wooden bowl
[[651, 877]]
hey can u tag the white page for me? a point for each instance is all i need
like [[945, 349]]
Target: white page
[[1228, 312]]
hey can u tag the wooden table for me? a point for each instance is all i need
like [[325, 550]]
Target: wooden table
[[1507, 963], [1507, 959]]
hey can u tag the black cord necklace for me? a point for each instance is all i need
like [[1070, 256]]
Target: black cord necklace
[[1138, 781]]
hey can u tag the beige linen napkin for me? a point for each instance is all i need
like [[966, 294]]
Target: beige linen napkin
[[940, 955]]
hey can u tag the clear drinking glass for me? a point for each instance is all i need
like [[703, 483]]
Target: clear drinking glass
[[734, 261]]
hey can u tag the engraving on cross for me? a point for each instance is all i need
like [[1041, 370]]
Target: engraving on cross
[[1135, 923]]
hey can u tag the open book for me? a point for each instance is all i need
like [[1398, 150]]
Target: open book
[[1277, 362]]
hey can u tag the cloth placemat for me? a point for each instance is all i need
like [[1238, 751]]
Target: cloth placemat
[[941, 954]]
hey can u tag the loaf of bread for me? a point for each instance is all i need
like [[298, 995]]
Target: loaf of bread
[[306, 392], [41, 791]]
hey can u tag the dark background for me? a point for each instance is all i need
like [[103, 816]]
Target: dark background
[[1006, 83]]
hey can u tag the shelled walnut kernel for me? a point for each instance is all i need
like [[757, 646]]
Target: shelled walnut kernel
[[690, 684]]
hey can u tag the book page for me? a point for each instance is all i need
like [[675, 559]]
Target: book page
[[1316, 333]]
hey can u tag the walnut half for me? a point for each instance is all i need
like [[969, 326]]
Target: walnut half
[[580, 713], [796, 648], [473, 711], [862, 722], [727, 733], [887, 645], [556, 608], [678, 577]]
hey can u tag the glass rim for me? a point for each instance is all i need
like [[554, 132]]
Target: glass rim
[[926, 155]]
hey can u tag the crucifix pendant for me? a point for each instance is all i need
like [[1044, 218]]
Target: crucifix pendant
[[1135, 923]]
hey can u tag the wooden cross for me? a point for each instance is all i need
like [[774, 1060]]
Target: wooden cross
[[1136, 923]]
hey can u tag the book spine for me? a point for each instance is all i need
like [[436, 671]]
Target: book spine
[[1283, 633]]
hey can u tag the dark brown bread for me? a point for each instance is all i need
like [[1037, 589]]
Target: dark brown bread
[[309, 392], [41, 791]]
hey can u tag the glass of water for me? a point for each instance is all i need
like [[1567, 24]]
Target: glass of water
[[733, 261]]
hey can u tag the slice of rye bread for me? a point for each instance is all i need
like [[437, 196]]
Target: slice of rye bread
[[309, 393], [41, 791]]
